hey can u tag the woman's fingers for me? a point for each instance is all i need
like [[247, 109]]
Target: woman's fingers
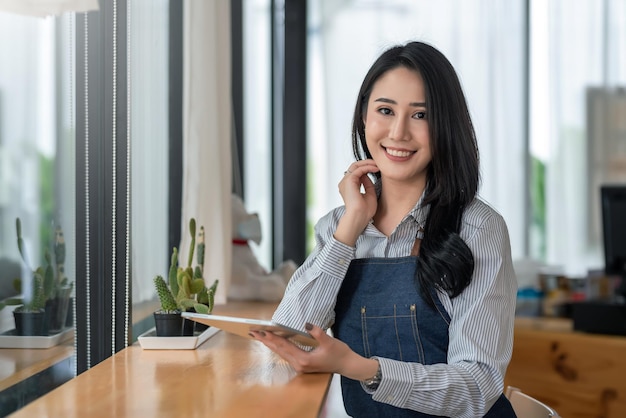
[[316, 332], [320, 359], [276, 343], [361, 163], [354, 177], [361, 168], [294, 355]]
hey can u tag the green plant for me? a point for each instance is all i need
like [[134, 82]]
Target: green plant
[[41, 285], [187, 288], [44, 284], [34, 300]]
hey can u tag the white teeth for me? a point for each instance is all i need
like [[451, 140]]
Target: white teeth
[[397, 153]]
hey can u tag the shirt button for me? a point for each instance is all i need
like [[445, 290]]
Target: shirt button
[[389, 398], [341, 261]]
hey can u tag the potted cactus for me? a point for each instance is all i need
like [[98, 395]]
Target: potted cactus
[[29, 314], [185, 290], [42, 308]]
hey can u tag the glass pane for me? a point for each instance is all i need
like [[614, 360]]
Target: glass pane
[[37, 185], [258, 116], [577, 138], [149, 34]]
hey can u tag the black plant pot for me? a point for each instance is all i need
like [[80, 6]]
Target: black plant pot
[[200, 327], [56, 311], [193, 327], [168, 324], [188, 325], [30, 323]]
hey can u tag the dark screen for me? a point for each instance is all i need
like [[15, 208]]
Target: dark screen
[[614, 228]]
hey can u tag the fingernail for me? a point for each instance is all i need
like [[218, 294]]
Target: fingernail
[[308, 326]]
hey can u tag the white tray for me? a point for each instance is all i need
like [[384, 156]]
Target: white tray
[[10, 340], [149, 341]]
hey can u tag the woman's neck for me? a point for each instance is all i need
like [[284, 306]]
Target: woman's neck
[[394, 203]]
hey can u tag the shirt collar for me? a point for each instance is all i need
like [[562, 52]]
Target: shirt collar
[[420, 211]]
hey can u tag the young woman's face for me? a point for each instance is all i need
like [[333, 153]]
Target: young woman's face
[[396, 126]]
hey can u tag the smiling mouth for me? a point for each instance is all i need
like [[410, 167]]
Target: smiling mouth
[[398, 153]]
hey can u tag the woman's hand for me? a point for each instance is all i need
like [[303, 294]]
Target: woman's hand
[[330, 356], [360, 207]]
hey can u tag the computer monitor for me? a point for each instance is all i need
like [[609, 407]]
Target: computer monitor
[[614, 232]]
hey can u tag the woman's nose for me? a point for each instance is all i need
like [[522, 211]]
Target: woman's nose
[[399, 130]]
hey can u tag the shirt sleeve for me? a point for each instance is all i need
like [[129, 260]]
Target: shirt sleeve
[[311, 293], [480, 339]]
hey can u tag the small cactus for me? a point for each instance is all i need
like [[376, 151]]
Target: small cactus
[[187, 288], [173, 273], [168, 303], [192, 246], [59, 256], [200, 247], [35, 300], [48, 278], [20, 242], [39, 297], [207, 297]]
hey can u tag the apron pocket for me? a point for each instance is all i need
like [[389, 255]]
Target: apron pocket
[[393, 330]]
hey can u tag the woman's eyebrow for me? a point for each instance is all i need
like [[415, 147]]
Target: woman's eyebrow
[[390, 101]]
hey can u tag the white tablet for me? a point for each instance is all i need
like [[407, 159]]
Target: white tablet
[[243, 326]]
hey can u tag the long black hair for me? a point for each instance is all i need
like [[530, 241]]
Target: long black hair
[[445, 261]]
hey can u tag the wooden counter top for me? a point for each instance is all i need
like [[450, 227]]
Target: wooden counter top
[[17, 364], [227, 376]]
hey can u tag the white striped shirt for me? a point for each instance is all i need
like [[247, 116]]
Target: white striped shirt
[[481, 329]]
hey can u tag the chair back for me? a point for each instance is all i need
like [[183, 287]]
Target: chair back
[[528, 407]]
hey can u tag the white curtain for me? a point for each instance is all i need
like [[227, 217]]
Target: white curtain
[[207, 116]]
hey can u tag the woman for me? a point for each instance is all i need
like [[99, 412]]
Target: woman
[[413, 273]]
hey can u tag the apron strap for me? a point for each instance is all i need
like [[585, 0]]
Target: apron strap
[[416, 247]]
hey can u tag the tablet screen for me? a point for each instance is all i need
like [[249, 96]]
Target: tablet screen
[[243, 326]]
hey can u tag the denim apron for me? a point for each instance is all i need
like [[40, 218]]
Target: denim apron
[[380, 313]]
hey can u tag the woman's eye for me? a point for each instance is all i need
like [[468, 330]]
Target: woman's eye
[[420, 115], [385, 111]]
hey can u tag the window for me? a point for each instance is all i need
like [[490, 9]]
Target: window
[[37, 181], [577, 55], [149, 109], [485, 41], [258, 120], [533, 72]]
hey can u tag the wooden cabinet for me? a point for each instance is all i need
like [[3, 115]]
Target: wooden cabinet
[[578, 374]]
